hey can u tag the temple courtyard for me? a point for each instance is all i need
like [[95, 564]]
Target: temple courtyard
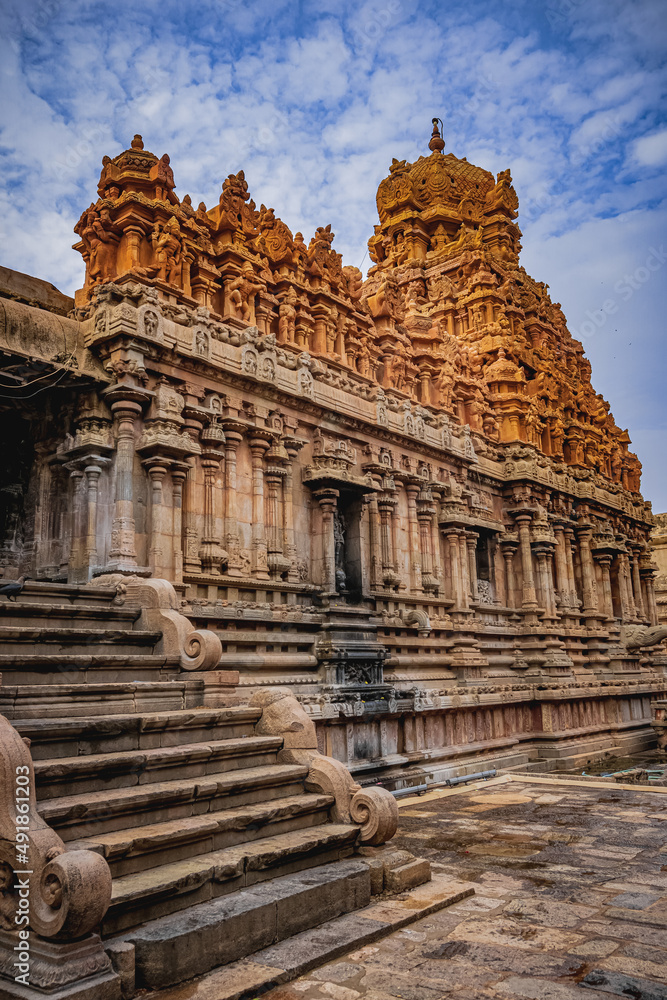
[[570, 900]]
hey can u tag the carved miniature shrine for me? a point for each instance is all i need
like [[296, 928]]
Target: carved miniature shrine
[[398, 495]]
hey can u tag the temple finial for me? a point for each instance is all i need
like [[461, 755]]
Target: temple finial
[[437, 142], [137, 142]]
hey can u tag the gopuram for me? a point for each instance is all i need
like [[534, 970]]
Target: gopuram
[[399, 496]]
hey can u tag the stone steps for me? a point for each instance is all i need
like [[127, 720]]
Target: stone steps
[[293, 953], [189, 807], [43, 592], [15, 638], [74, 700], [127, 768], [174, 948], [62, 615], [96, 734], [83, 668], [169, 888], [88, 814], [134, 850]]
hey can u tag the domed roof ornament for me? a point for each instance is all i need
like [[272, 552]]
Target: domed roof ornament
[[437, 142]]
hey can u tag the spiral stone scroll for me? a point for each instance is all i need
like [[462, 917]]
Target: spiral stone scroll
[[201, 650], [197, 649], [69, 891], [374, 810]]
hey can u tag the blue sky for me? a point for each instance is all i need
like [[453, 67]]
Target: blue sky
[[314, 99]]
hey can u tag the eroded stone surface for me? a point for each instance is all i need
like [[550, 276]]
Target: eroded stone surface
[[541, 929]]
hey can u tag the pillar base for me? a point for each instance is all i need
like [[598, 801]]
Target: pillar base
[[58, 970], [124, 568]]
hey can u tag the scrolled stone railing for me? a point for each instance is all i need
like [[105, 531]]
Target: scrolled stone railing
[[374, 810], [638, 636], [63, 894], [198, 649]]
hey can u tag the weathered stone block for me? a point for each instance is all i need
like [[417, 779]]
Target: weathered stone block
[[407, 876]]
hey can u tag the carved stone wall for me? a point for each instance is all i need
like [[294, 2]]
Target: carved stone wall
[[400, 496], [659, 550]]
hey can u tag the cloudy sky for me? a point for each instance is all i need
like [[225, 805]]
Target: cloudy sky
[[314, 97]]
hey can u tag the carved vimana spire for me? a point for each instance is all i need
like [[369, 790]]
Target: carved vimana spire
[[445, 296]]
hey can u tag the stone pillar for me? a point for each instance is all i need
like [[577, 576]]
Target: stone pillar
[[275, 559], [637, 583], [93, 473], [277, 518], [508, 548], [412, 490], [590, 601], [194, 422], [179, 472], [529, 596], [425, 512], [463, 569], [134, 235], [320, 331], [471, 544], [374, 531], [604, 560], [292, 447], [328, 501], [568, 541], [425, 388], [212, 555], [386, 505], [649, 575], [125, 408], [233, 436], [157, 470], [544, 575], [457, 552], [401, 585], [77, 571], [435, 542], [647, 572], [562, 581], [625, 588], [627, 572], [258, 446]]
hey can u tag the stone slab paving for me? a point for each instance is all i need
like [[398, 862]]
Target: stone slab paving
[[570, 900]]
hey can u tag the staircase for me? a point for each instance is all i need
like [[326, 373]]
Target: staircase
[[186, 803], [73, 651]]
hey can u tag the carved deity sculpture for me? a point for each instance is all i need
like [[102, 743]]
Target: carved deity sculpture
[[339, 550], [242, 292], [95, 229], [287, 317], [364, 359], [355, 280], [163, 176], [201, 343], [557, 437], [151, 323], [168, 246]]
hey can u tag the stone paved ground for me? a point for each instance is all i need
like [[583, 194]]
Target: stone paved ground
[[570, 900]]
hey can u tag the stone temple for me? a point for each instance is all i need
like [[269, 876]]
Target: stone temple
[[232, 466]]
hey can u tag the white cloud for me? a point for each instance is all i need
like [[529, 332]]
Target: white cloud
[[651, 150]]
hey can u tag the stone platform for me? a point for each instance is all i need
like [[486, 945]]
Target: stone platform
[[570, 901]]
